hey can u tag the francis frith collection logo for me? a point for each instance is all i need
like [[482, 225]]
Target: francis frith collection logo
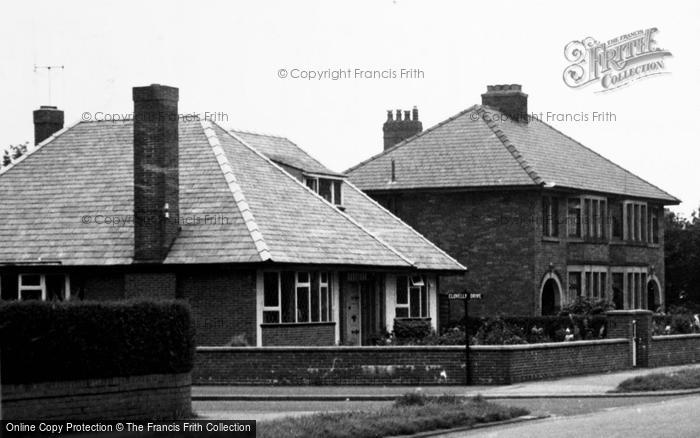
[[614, 63]]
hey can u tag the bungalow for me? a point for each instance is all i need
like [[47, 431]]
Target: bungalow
[[268, 246], [543, 218]]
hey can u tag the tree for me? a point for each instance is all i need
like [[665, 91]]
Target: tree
[[13, 153], [682, 259]]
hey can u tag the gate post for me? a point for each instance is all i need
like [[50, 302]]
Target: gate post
[[635, 325]]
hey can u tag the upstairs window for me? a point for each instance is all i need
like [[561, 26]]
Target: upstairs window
[[636, 219], [329, 189], [574, 217], [550, 216]]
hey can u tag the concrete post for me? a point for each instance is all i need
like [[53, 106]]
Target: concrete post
[[635, 325]]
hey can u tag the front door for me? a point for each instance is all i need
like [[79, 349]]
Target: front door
[[353, 317]]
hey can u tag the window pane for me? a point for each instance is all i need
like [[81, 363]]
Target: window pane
[[288, 293], [31, 280], [588, 218], [424, 302], [629, 231], [595, 226], [555, 217], [603, 284], [574, 284], [630, 290], [402, 290], [303, 277], [312, 184], [574, 217], [636, 222], [324, 277], [324, 304], [271, 317], [330, 300], [618, 295], [546, 216], [55, 287], [324, 189], [31, 295], [588, 284], [616, 219], [271, 288], [338, 192], [315, 304], [303, 304], [402, 312], [415, 302]]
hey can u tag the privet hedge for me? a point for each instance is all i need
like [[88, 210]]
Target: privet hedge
[[47, 341]]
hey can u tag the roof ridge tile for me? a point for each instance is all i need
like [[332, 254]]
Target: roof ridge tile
[[236, 191], [608, 160], [333, 207], [509, 145], [363, 194]]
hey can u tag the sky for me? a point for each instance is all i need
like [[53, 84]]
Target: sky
[[226, 58]]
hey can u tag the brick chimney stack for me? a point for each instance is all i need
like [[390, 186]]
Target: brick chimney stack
[[47, 121], [399, 128], [156, 178], [508, 99]]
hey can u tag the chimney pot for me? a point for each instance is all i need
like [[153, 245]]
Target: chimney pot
[[389, 115], [156, 167], [508, 99], [47, 121], [401, 128]]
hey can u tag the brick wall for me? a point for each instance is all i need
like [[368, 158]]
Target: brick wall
[[298, 334], [415, 365], [492, 233], [674, 350], [223, 304], [165, 396], [154, 285]]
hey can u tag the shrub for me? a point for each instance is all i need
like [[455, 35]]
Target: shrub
[[587, 306], [48, 341], [674, 324], [412, 328]]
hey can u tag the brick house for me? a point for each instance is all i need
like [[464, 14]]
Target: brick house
[[268, 246], [540, 218]]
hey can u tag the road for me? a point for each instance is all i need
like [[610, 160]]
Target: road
[[675, 418]]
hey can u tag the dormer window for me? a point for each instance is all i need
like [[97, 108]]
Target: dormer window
[[329, 189]]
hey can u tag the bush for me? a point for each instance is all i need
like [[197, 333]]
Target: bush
[[587, 306], [48, 341], [675, 324], [412, 328]]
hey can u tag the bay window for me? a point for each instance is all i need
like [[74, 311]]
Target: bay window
[[297, 297], [411, 297]]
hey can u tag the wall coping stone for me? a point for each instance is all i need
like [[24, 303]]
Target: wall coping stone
[[547, 345], [672, 337]]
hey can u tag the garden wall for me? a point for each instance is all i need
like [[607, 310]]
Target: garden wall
[[156, 396], [406, 365], [674, 350]]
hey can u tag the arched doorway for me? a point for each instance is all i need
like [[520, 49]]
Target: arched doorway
[[550, 295]]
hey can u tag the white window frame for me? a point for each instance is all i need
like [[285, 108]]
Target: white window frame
[[635, 235], [592, 226], [633, 293], [551, 227], [297, 285], [315, 179], [42, 285], [414, 282], [600, 280]]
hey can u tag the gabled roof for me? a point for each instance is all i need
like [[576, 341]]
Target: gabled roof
[[478, 148], [283, 151], [236, 206]]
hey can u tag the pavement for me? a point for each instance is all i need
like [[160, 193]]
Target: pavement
[[593, 386]]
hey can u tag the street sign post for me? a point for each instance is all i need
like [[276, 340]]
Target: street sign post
[[466, 297]]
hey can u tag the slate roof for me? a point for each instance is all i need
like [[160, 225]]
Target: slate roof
[[364, 209], [478, 148], [257, 212]]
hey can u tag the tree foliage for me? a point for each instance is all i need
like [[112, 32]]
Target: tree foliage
[[682, 259]]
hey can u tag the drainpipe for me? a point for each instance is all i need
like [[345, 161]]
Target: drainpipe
[[634, 343]]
